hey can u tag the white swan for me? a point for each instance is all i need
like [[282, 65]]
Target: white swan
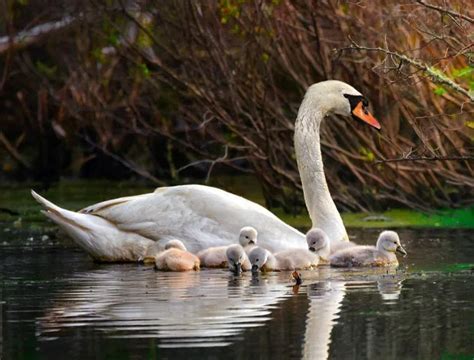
[[202, 216]]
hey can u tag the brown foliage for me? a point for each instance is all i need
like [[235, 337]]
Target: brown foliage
[[219, 82]]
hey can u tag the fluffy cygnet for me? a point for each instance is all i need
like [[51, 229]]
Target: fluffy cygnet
[[383, 254], [248, 238], [341, 245], [318, 243], [175, 257], [215, 257], [237, 259], [291, 259]]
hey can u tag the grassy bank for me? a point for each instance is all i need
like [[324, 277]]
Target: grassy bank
[[18, 207]]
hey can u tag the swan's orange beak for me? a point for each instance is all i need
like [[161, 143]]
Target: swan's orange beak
[[363, 114]]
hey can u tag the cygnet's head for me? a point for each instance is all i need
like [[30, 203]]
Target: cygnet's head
[[389, 241], [248, 236], [318, 242], [235, 257], [337, 97], [258, 257], [175, 244]]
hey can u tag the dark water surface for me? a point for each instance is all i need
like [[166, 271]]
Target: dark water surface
[[55, 303]]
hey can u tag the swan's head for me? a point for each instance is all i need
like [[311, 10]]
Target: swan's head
[[175, 244], [258, 257], [318, 242], [389, 241], [337, 97], [235, 257], [248, 236]]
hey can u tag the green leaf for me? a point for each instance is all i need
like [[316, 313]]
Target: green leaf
[[144, 70], [48, 71], [463, 72], [440, 91]]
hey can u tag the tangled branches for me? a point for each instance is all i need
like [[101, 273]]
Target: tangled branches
[[185, 88]]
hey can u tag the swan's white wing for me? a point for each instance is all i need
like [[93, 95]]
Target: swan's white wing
[[200, 216]]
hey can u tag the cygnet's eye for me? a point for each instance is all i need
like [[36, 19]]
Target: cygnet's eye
[[246, 237], [256, 259]]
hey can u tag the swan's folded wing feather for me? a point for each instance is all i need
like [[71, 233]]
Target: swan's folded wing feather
[[200, 216], [96, 209]]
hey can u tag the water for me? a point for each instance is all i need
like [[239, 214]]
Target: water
[[56, 303]]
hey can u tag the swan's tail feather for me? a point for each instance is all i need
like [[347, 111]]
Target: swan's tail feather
[[79, 234], [82, 228], [45, 203], [62, 216], [101, 239]]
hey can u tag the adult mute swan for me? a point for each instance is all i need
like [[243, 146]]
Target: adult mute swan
[[202, 216]]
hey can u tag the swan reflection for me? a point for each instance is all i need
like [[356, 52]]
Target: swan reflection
[[198, 309], [189, 308]]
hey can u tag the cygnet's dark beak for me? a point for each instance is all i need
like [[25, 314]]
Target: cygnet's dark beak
[[401, 250], [237, 268], [254, 268], [251, 242], [312, 249]]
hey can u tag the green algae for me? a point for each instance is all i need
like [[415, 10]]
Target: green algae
[[19, 208]]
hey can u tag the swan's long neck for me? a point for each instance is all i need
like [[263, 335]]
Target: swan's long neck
[[321, 207]]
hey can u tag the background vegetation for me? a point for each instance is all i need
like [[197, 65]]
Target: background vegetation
[[171, 90]]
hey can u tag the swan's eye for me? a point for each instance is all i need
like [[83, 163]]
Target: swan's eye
[[256, 259]]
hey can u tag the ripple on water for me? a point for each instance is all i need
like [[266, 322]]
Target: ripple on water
[[172, 307]]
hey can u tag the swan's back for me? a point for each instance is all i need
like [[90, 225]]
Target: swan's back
[[200, 216]]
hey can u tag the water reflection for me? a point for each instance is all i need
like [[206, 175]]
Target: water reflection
[[55, 299], [206, 308], [196, 309], [325, 303]]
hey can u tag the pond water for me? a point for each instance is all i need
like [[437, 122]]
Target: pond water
[[56, 303]]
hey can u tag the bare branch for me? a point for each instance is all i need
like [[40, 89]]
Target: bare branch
[[13, 151], [426, 158], [436, 75], [128, 164], [445, 11], [27, 37]]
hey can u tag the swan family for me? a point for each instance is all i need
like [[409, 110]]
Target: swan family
[[204, 220], [238, 258]]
